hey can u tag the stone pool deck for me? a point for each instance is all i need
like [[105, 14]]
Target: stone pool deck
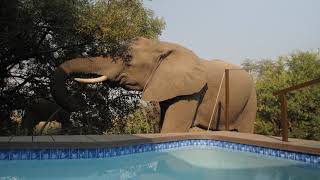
[[95, 141]]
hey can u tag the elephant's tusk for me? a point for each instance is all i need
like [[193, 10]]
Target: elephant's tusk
[[91, 80]]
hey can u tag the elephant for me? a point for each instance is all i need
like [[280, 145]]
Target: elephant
[[185, 86], [44, 116]]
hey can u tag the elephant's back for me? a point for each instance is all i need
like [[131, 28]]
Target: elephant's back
[[238, 78], [240, 85], [215, 70]]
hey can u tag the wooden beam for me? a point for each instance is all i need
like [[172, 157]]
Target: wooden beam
[[284, 117], [298, 86], [227, 100]]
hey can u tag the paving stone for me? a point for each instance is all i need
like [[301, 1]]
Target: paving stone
[[71, 138], [110, 138], [22, 139], [42, 139], [5, 138]]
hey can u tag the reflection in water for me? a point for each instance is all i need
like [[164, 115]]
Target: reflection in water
[[178, 164]]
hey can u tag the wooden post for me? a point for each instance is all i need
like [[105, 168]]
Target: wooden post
[[283, 100], [226, 115], [284, 117]]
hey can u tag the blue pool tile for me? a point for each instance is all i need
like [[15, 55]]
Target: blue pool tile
[[113, 152], [297, 156], [65, 154], [217, 143], [282, 154], [151, 146], [100, 153], [120, 151], [291, 155], [316, 160], [233, 146], [44, 154], [83, 153], [4, 155], [135, 148], [140, 150], [14, 154], [127, 151], [261, 150], [302, 157], [92, 153], [25, 154], [117, 151], [144, 147], [171, 145], [35, 154], [74, 153], [307, 158], [54, 153], [221, 143], [157, 147]]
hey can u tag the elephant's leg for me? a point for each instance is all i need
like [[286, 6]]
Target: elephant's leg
[[245, 121], [63, 117], [179, 115], [163, 108], [28, 123]]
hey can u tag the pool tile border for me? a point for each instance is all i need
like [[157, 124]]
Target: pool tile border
[[85, 153]]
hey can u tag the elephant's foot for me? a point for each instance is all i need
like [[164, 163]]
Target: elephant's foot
[[197, 129]]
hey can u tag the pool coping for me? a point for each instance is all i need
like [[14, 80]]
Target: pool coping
[[106, 141]]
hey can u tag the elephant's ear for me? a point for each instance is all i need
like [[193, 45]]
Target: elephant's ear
[[179, 73]]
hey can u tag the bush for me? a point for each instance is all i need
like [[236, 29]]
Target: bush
[[303, 105], [145, 119]]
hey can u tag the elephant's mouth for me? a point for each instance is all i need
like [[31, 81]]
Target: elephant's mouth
[[122, 79], [127, 83]]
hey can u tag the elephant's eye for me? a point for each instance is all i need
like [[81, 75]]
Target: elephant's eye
[[128, 57]]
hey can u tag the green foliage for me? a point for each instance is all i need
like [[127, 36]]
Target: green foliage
[[263, 127], [114, 22], [303, 105], [145, 119], [37, 35]]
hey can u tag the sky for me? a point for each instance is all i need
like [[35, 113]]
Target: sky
[[235, 30]]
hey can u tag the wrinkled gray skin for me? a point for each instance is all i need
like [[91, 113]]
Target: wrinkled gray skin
[[43, 110], [185, 86]]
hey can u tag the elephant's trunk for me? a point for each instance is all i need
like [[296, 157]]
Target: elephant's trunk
[[59, 91], [62, 73]]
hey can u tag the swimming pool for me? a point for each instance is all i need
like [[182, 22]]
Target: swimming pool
[[189, 159]]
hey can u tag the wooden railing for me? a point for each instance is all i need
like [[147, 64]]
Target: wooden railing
[[283, 100]]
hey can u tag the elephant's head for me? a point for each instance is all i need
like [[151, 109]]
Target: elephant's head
[[161, 70]]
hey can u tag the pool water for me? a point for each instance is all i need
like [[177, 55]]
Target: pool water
[[182, 164]]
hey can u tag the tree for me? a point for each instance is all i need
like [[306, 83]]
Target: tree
[[303, 105], [36, 36]]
